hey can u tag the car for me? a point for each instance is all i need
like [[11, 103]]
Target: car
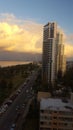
[[9, 102], [23, 105], [13, 126], [17, 108], [25, 83], [17, 93], [30, 96], [27, 91], [5, 106], [13, 97], [18, 90], [2, 110]]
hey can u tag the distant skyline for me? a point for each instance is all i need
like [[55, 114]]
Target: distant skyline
[[22, 21]]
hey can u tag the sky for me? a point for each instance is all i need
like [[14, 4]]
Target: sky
[[22, 21]]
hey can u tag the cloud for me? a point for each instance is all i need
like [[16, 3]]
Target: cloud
[[19, 56], [20, 35], [69, 50], [68, 43], [69, 46], [10, 18]]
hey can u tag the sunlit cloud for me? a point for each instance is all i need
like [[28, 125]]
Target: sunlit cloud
[[68, 43], [69, 50], [26, 36], [20, 37], [69, 46]]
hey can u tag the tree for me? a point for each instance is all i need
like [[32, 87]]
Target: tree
[[68, 78], [3, 84]]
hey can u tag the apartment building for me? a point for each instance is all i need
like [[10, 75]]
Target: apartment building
[[49, 53], [61, 59], [56, 114], [53, 59]]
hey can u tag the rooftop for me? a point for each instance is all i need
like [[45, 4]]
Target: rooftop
[[50, 23], [56, 104], [43, 95]]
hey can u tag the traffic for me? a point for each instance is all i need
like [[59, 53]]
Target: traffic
[[13, 108]]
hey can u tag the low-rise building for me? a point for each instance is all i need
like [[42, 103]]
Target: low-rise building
[[56, 114]]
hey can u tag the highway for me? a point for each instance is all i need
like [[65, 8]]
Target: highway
[[18, 105]]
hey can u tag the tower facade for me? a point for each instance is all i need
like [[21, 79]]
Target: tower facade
[[53, 53], [49, 53], [61, 60]]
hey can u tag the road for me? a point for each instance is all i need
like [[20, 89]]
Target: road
[[9, 116], [22, 117]]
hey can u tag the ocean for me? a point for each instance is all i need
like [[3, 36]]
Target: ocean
[[12, 63]]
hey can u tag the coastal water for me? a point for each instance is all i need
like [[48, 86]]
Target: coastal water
[[12, 63]]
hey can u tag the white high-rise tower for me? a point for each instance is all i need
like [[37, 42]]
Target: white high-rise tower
[[49, 53], [53, 53]]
